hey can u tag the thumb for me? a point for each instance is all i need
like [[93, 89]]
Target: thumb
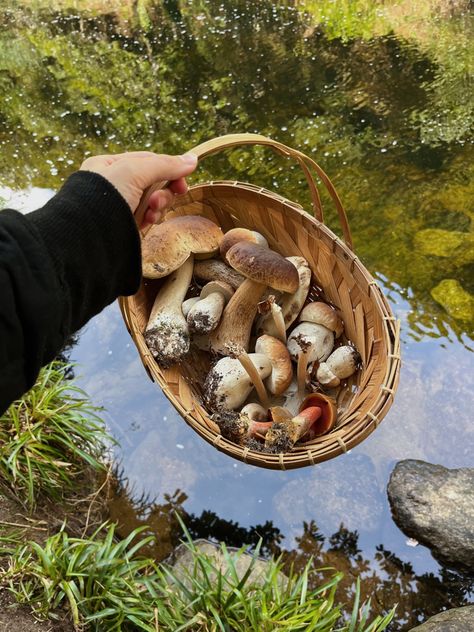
[[152, 168]]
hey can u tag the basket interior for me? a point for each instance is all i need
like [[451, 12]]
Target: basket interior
[[363, 399]]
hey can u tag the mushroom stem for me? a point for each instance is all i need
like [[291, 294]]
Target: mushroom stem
[[167, 333], [283, 435], [237, 317], [244, 359], [301, 371], [215, 270]]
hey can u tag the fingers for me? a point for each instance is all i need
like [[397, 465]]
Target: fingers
[[157, 204], [156, 167], [178, 186]]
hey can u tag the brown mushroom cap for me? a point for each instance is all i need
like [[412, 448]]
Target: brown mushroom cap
[[322, 314], [166, 246], [240, 234], [263, 265], [279, 356]]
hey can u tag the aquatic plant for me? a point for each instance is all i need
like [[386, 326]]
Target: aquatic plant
[[49, 437], [106, 586]]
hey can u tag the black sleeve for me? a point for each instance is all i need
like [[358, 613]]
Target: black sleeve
[[59, 266]]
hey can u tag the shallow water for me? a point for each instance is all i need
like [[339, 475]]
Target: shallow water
[[379, 96]]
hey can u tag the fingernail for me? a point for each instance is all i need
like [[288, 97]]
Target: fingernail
[[189, 158]]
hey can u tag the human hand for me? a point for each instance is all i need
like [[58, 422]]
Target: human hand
[[131, 173]]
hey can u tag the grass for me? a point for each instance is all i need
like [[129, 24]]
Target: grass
[[49, 437], [105, 586]]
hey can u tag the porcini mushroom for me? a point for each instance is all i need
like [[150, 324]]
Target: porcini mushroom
[[168, 245], [228, 384], [290, 304], [313, 339], [215, 270], [263, 268], [342, 363], [167, 333], [273, 313], [205, 314], [235, 235], [187, 304]]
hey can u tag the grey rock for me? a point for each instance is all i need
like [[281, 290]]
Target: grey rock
[[435, 505], [454, 620], [182, 562]]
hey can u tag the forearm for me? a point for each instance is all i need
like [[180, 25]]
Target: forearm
[[59, 266]]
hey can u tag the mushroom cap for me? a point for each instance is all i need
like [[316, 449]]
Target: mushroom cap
[[166, 246], [235, 235], [216, 270], [279, 356], [342, 363], [228, 384], [263, 265], [316, 340], [322, 314], [255, 412], [326, 421], [217, 286]]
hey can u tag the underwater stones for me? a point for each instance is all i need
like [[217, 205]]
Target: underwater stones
[[453, 620], [435, 505], [450, 294], [455, 245]]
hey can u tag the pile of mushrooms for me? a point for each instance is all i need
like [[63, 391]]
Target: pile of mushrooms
[[275, 360]]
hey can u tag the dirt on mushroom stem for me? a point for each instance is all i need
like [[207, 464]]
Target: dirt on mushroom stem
[[232, 425], [168, 343]]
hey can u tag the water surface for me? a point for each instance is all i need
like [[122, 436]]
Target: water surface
[[379, 95]]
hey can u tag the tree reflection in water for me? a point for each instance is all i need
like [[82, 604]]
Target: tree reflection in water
[[386, 579]]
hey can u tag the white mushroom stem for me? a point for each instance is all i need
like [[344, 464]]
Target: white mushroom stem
[[301, 369], [258, 423], [254, 373], [273, 313], [289, 304], [188, 303], [307, 343], [167, 333], [204, 315], [341, 364], [215, 270]]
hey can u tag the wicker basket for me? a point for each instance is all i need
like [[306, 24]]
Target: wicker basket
[[368, 321]]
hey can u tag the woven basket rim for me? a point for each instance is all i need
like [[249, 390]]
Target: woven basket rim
[[350, 431]]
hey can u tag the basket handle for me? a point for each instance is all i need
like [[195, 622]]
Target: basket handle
[[307, 165]]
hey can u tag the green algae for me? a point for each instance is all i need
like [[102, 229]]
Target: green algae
[[453, 297], [457, 246]]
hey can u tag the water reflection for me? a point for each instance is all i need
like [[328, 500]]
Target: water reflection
[[381, 101], [378, 93]]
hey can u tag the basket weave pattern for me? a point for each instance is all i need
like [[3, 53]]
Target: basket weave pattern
[[366, 397]]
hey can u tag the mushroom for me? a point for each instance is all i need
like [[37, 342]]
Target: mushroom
[[205, 314], [290, 304], [235, 235], [263, 268], [258, 423], [313, 339], [316, 416], [168, 245], [342, 363], [187, 304], [228, 384], [167, 333], [283, 435], [215, 270], [282, 370], [273, 313]]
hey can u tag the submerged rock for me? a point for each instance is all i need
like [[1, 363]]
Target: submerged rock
[[183, 563], [450, 294], [455, 245], [454, 620], [435, 505]]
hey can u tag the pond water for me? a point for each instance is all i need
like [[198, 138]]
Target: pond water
[[379, 95]]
